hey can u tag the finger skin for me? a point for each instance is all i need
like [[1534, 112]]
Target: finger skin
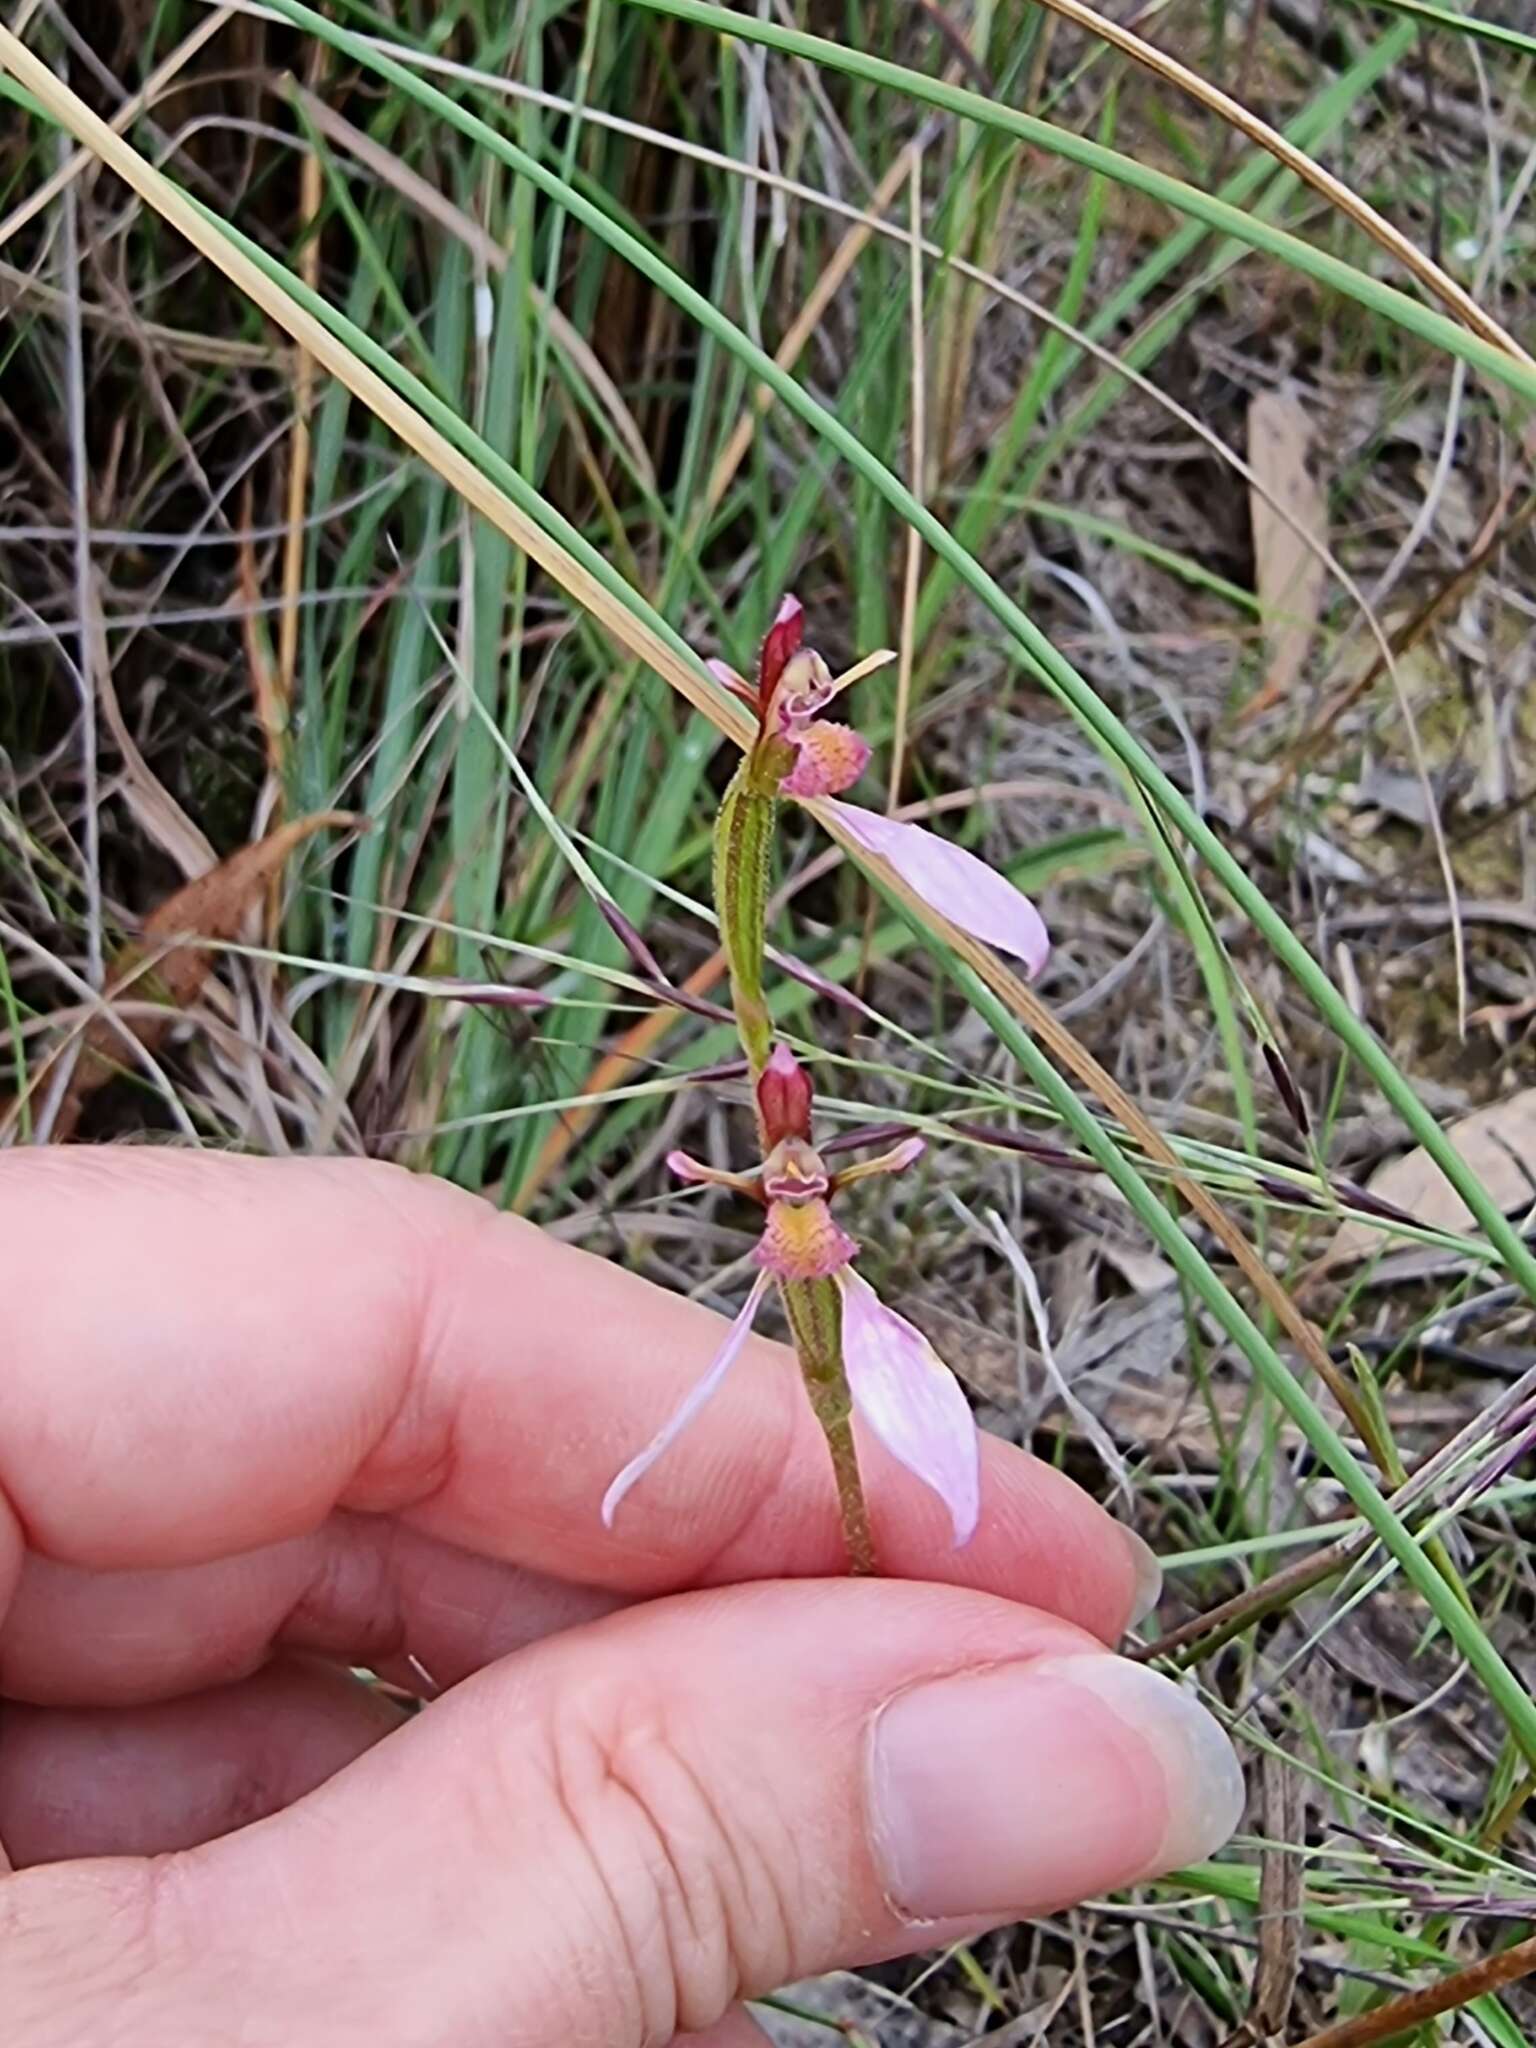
[[364, 1589], [613, 1836], [737, 2030], [146, 1780], [251, 1344]]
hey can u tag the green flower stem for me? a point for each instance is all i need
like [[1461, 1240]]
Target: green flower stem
[[815, 1312], [743, 846]]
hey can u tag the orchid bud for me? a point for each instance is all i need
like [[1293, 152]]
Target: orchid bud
[[784, 1097]]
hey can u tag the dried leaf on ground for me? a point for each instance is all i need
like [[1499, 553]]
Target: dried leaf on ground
[[172, 959], [1498, 1142], [1290, 579]]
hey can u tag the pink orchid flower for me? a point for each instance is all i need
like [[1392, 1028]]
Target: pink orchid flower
[[793, 686], [901, 1388]]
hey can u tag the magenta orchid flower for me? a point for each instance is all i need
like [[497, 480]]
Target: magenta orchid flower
[[901, 1388], [794, 685]]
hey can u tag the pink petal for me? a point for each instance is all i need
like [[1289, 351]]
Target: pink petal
[[901, 1156], [955, 883], [694, 1173], [912, 1401], [897, 1160], [673, 1428], [728, 679]]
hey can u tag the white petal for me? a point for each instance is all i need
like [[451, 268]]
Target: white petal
[[674, 1426], [954, 882], [912, 1401]]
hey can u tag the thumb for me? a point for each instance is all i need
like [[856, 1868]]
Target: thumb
[[612, 1836]]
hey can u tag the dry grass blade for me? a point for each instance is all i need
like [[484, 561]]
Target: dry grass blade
[[1403, 2015], [177, 61], [270, 703], [1274, 1978], [917, 461], [1451, 295], [180, 342], [172, 959], [159, 815], [419, 192], [310, 193]]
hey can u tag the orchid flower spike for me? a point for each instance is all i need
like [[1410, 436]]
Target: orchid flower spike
[[823, 759], [901, 1388]]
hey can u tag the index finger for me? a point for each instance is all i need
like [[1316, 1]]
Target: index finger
[[206, 1353]]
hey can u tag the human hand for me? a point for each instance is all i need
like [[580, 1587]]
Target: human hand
[[260, 1421]]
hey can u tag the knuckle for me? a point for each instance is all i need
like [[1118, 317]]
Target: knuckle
[[694, 1889]]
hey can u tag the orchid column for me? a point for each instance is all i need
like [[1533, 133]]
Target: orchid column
[[857, 1357]]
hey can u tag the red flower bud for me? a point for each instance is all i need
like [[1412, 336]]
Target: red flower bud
[[784, 1097]]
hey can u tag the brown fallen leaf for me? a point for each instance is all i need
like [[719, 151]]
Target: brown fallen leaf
[[1290, 579], [172, 958], [1498, 1142]]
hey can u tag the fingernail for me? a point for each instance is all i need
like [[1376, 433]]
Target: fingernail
[[1148, 1584], [1028, 1786]]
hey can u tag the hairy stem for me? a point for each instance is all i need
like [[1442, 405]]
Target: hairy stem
[[814, 1309]]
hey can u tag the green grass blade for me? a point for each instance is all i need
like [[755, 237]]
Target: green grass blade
[[1519, 374], [1461, 24]]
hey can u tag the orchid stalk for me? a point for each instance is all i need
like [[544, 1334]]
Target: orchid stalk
[[858, 1357]]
